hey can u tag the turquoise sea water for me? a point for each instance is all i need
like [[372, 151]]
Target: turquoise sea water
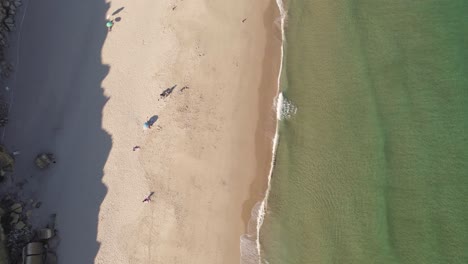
[[373, 167]]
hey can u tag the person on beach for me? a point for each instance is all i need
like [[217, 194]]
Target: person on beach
[[148, 198], [109, 25], [148, 124], [167, 92]]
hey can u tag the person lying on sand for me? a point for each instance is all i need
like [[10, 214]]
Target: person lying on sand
[[148, 124], [167, 92]]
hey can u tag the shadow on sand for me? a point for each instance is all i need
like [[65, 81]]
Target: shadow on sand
[[57, 107], [152, 120], [118, 11]]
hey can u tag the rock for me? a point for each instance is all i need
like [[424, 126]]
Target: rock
[[29, 213], [44, 233], [6, 3], [17, 3], [2, 235], [37, 204], [14, 218], [11, 12], [2, 212], [20, 225], [3, 250], [10, 24], [16, 240], [17, 208]]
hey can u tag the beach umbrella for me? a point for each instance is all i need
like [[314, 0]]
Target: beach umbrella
[[109, 24]]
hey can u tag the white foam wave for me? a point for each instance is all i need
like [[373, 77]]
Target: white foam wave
[[287, 109]]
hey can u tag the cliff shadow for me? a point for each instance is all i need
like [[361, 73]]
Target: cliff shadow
[[56, 106]]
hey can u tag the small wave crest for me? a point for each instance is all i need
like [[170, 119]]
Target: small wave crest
[[286, 109]]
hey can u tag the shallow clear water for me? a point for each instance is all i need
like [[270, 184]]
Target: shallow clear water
[[373, 167]]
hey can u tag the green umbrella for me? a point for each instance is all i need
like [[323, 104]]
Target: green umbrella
[[109, 24]]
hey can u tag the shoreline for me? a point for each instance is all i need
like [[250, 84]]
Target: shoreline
[[254, 217], [266, 123]]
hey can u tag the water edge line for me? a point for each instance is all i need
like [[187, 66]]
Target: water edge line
[[278, 102]]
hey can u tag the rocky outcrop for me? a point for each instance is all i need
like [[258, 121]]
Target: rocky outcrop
[[15, 223], [3, 250], [8, 10], [16, 230]]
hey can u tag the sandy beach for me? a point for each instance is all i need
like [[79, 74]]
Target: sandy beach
[[84, 93]]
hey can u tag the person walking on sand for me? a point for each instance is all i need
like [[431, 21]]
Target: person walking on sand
[[148, 198]]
